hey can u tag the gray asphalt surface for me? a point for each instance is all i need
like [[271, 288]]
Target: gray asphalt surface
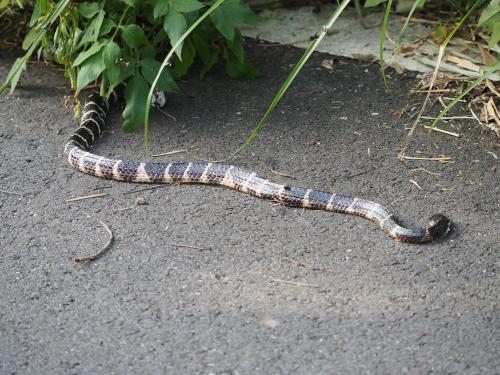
[[371, 306]]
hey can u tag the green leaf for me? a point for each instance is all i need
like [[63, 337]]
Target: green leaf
[[15, 73], [29, 38], [237, 46], [373, 3], [89, 71], [237, 70], [175, 25], [182, 65], [111, 54], [160, 9], [186, 6], [495, 35], [230, 13], [107, 26], [37, 12], [92, 32], [208, 56], [136, 95], [88, 10], [133, 35], [489, 12], [147, 51], [149, 69], [86, 54]]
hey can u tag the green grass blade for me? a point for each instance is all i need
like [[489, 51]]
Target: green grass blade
[[164, 64], [404, 29], [469, 88], [291, 77], [383, 32]]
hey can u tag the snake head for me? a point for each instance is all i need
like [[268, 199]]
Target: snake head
[[439, 225]]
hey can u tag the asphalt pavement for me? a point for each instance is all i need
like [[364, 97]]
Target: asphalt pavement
[[206, 280]]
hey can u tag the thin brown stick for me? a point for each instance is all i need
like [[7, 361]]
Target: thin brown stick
[[146, 189], [86, 197], [422, 20], [167, 114], [201, 248], [436, 129], [304, 265], [449, 118], [99, 253], [282, 174], [434, 90], [295, 283], [425, 170], [441, 158], [174, 152]]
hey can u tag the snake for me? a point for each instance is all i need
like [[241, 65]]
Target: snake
[[93, 121]]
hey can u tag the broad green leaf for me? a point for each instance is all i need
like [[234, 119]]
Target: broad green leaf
[[160, 9], [136, 95], [15, 73], [489, 12], [186, 6], [175, 25], [92, 32], [237, 46], [230, 13], [110, 54], [149, 69], [107, 26], [88, 10], [373, 3], [37, 12], [114, 75], [90, 71], [237, 70], [133, 35], [4, 4], [495, 35], [181, 66], [29, 38], [147, 51], [86, 54]]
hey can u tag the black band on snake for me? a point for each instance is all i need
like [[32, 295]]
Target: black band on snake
[[91, 127]]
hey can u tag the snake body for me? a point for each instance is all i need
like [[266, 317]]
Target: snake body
[[93, 121]]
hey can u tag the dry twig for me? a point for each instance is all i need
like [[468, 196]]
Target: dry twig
[[282, 174], [86, 197], [169, 153], [436, 129], [201, 248], [99, 253], [295, 283], [440, 158]]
